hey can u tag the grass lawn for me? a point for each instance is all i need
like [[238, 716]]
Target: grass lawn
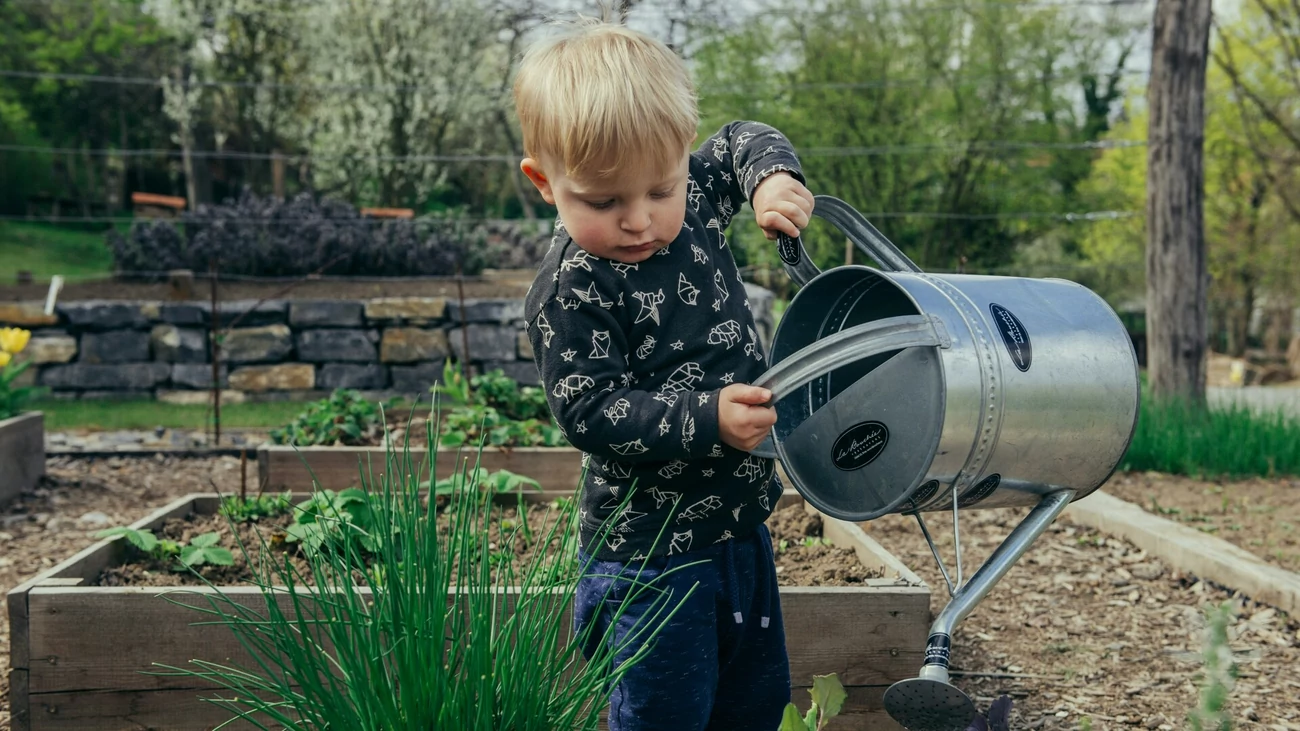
[[108, 415], [46, 250]]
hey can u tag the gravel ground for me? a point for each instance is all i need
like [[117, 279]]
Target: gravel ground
[[1089, 627], [1083, 627]]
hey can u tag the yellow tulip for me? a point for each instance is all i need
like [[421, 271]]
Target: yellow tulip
[[13, 340], [4, 359]]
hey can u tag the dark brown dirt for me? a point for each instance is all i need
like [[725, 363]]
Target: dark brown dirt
[[803, 559], [1084, 626], [1089, 627], [1261, 516], [344, 288]]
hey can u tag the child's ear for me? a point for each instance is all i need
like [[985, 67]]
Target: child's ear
[[533, 170]]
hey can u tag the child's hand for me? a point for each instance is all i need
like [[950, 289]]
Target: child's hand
[[782, 205], [743, 422]]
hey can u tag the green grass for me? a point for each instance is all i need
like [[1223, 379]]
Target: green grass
[[1177, 437], [108, 415], [46, 250]]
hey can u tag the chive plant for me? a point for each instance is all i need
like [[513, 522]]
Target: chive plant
[[425, 631]]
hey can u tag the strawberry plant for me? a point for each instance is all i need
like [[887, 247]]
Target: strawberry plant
[[202, 550], [343, 418]]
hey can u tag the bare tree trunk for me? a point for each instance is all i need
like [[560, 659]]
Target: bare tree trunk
[[187, 160], [1175, 261]]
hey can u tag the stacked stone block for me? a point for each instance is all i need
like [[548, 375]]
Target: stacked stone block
[[283, 349]]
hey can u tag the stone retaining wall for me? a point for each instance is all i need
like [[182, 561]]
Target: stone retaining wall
[[285, 349]]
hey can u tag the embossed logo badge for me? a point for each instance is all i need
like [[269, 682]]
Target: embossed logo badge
[[1014, 335], [859, 445]]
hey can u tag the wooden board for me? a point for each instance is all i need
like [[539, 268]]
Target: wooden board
[[85, 662], [181, 709], [1191, 551], [22, 454], [292, 468]]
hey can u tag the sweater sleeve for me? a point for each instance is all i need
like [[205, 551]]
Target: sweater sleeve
[[582, 355], [740, 156]]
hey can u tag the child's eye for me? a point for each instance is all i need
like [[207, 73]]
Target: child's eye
[[663, 194], [601, 205]]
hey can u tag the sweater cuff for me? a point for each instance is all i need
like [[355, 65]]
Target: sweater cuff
[[704, 411], [772, 164]]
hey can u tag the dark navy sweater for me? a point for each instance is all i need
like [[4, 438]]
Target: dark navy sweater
[[632, 357]]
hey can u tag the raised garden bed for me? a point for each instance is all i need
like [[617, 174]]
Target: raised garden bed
[[79, 650], [22, 454], [558, 469]]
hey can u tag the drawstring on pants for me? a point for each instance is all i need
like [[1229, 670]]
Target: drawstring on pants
[[730, 577], [763, 585]]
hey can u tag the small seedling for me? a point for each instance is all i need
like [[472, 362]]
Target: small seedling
[[249, 509], [201, 550], [828, 698], [204, 549]]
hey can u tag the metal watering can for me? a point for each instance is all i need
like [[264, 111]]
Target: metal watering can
[[898, 391]]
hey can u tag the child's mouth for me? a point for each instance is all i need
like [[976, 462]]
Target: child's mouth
[[640, 248]]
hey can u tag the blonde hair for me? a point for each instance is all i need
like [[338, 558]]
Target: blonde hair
[[599, 97]]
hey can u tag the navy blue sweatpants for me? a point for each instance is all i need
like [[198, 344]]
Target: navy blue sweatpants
[[719, 663]]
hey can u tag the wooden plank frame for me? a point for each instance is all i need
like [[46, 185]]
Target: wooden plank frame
[[22, 454], [80, 653], [335, 468]]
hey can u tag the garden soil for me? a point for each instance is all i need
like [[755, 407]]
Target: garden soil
[[1261, 516], [803, 559], [1083, 627]]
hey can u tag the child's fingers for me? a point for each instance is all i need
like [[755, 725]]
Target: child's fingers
[[746, 394], [772, 221]]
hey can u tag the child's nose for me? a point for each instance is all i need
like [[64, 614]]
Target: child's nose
[[636, 220]]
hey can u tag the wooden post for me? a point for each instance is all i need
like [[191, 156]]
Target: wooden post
[[216, 355], [277, 175], [1175, 261]]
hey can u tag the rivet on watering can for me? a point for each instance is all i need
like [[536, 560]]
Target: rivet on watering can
[[893, 652]]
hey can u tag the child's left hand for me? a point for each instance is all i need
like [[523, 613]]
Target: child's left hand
[[782, 205]]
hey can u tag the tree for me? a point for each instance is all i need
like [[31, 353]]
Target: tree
[[433, 70], [1175, 259], [77, 115], [906, 110], [1260, 54]]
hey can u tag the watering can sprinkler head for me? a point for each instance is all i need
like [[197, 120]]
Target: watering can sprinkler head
[[1010, 391]]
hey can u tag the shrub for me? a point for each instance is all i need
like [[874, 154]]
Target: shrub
[[256, 236], [1183, 438]]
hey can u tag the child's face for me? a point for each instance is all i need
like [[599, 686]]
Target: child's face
[[626, 218]]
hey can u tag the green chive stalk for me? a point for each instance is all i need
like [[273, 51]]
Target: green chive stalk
[[425, 632]]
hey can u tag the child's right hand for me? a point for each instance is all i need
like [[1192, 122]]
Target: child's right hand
[[743, 420]]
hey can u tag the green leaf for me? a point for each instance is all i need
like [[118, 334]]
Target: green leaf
[[791, 721], [828, 693], [205, 540], [810, 718], [141, 539]]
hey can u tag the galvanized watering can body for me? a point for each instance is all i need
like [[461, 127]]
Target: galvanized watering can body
[[1031, 388], [898, 391]]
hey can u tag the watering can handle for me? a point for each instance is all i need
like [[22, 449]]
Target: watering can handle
[[842, 348], [849, 345], [852, 224]]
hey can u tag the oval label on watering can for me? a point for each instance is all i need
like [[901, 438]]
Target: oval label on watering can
[[859, 445], [980, 491], [1014, 336]]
